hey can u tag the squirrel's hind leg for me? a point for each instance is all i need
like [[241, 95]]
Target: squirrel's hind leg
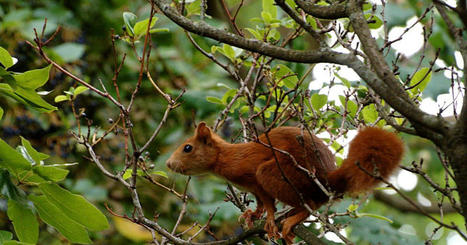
[[296, 216]]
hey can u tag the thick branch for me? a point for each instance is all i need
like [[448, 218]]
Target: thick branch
[[398, 100], [334, 11], [433, 124]]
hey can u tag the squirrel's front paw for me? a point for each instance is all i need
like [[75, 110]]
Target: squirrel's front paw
[[249, 217]]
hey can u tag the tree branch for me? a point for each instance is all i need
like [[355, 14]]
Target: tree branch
[[404, 206], [331, 12], [398, 100]]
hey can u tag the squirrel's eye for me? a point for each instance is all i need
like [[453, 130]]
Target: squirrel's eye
[[187, 148]]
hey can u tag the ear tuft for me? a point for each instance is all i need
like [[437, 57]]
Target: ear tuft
[[203, 133]]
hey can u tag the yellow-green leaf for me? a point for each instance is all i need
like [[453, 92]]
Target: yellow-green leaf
[[141, 26], [61, 98], [318, 101], [79, 90], [369, 113], [376, 216], [420, 79], [5, 58]]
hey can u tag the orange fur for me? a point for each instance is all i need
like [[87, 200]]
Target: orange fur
[[271, 175]]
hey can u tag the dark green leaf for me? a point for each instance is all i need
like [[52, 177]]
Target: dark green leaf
[[1, 113], [57, 218], [33, 79], [75, 207], [24, 221]]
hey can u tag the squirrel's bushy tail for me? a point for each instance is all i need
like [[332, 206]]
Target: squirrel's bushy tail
[[377, 151]]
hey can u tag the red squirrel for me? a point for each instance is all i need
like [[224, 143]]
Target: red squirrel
[[257, 168]]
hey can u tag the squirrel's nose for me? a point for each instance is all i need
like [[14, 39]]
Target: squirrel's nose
[[169, 164]]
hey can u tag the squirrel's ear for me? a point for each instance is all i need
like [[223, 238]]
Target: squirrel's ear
[[203, 133]]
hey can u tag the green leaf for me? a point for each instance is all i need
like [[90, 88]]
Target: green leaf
[[33, 99], [51, 173], [287, 76], [255, 33], [141, 26], [69, 52], [367, 6], [229, 52], [7, 90], [270, 8], [376, 216], [5, 236], [33, 79], [160, 173], [13, 242], [75, 207], [156, 30], [227, 95], [369, 113], [420, 79], [374, 22], [129, 19], [24, 221], [61, 98], [352, 108], [318, 101], [8, 189], [1, 113], [344, 80], [57, 218], [214, 100], [352, 207], [11, 159], [80, 89], [129, 172], [35, 155], [5, 58]]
